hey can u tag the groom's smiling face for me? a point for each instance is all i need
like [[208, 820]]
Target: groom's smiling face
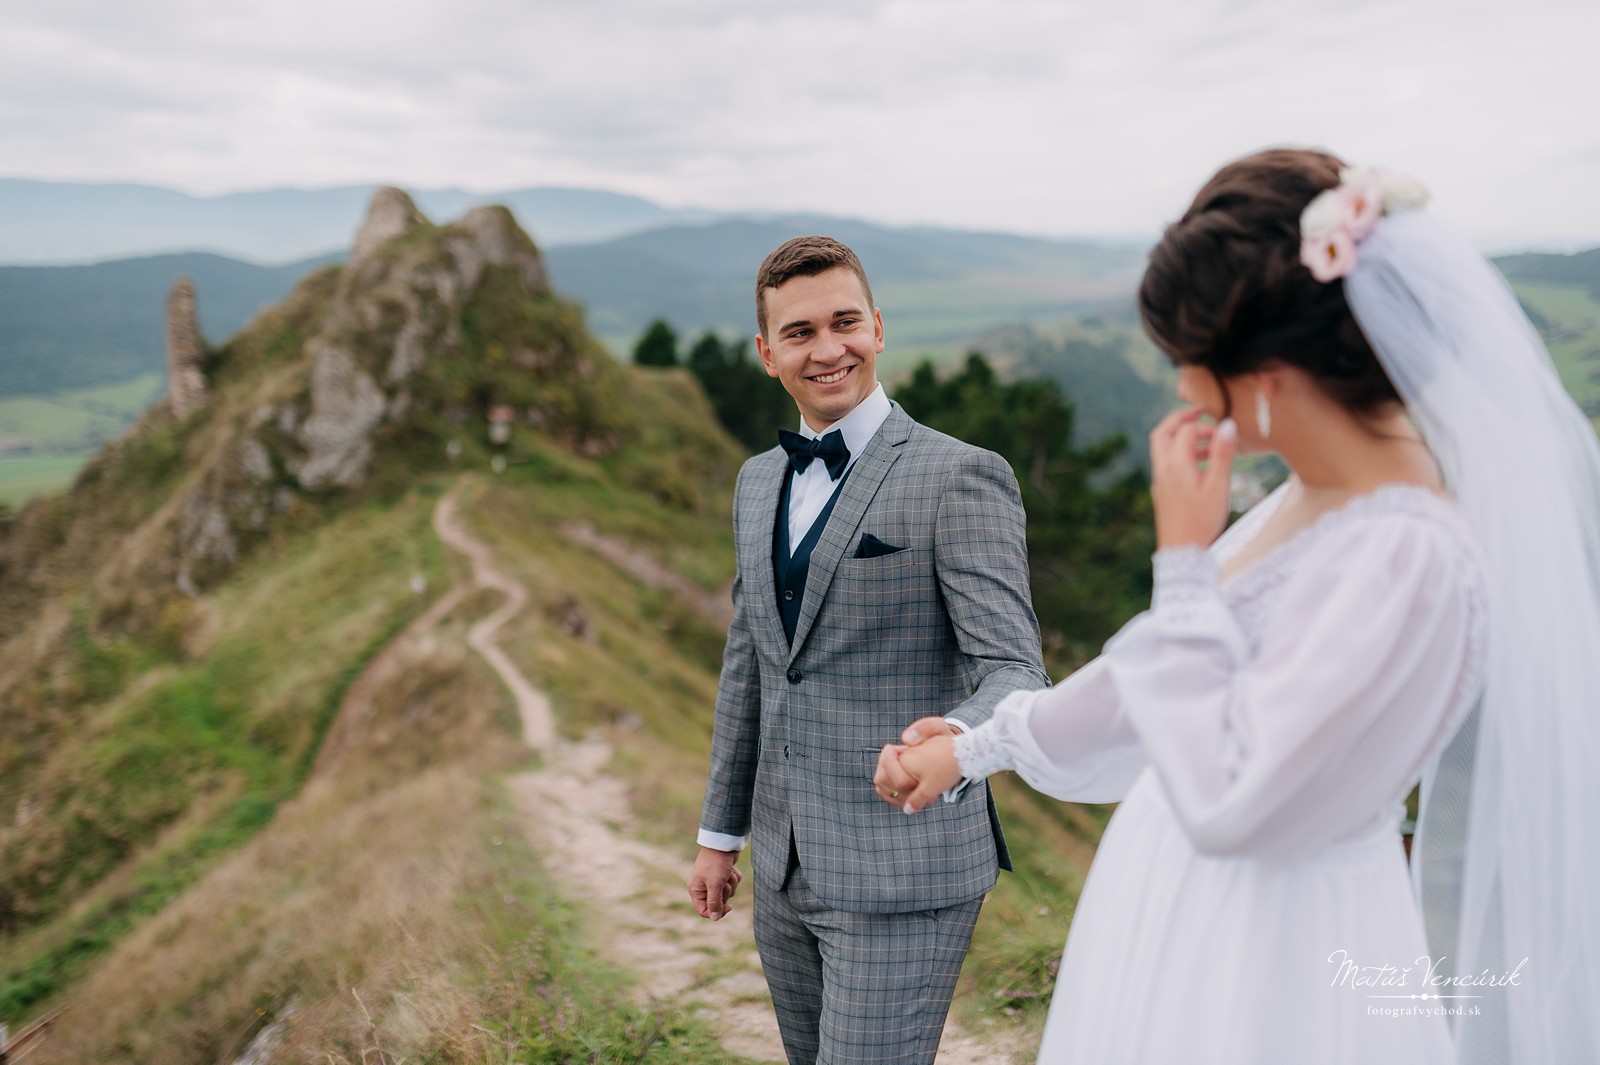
[[822, 341]]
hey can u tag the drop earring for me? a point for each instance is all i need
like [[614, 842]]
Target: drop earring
[[1263, 415]]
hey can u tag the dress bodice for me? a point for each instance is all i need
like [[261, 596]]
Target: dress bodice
[[1288, 709]]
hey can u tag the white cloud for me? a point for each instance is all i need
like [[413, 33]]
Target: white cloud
[[1033, 116]]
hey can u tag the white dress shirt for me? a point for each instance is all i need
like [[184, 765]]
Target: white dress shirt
[[810, 491]]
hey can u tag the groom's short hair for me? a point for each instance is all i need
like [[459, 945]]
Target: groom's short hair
[[804, 257]]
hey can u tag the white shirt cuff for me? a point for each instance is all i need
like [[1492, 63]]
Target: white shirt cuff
[[955, 793], [719, 841]]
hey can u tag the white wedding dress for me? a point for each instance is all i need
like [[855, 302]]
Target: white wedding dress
[[1261, 736]]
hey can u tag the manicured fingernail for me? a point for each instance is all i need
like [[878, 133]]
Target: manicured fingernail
[[912, 735], [1228, 430], [908, 809]]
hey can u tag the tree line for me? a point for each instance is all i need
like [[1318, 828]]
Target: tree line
[[1090, 528]]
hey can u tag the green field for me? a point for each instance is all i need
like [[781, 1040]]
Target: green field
[[1571, 331], [45, 439], [23, 479], [80, 419]]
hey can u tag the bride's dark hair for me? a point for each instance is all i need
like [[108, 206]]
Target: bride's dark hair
[[1225, 288]]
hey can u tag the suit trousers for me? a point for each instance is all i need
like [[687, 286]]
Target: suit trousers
[[858, 988]]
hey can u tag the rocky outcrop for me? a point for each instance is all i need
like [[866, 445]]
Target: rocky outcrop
[[386, 365], [398, 304], [391, 214], [186, 352]]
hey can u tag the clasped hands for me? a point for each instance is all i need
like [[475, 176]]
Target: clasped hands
[[919, 769]]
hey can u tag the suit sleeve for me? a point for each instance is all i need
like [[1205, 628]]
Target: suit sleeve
[[981, 556], [736, 734]]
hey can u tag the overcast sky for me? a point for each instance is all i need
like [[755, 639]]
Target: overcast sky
[[1068, 118]]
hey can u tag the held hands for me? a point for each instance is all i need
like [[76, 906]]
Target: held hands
[[713, 881], [912, 774], [1190, 464]]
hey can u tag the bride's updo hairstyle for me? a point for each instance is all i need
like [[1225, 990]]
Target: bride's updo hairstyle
[[1225, 288]]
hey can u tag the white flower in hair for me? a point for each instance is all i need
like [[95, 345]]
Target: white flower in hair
[[1322, 217], [1338, 219], [1401, 191]]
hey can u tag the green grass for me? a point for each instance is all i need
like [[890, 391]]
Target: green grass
[[77, 420], [565, 1004], [28, 478], [173, 764], [503, 950]]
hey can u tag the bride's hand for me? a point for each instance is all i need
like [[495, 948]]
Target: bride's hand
[[891, 781], [1190, 467], [930, 768]]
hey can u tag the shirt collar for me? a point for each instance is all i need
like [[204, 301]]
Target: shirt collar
[[859, 425]]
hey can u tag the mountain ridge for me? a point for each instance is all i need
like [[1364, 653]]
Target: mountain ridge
[[178, 629], [71, 223]]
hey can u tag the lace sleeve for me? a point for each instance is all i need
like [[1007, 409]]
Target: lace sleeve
[[983, 751], [1070, 741]]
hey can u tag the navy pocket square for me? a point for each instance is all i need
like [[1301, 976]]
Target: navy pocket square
[[872, 547]]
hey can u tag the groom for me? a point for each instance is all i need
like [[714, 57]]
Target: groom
[[882, 576]]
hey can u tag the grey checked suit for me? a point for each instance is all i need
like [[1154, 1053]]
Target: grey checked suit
[[942, 627]]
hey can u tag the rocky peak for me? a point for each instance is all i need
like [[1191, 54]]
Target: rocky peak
[[186, 353], [391, 214], [397, 304], [425, 326]]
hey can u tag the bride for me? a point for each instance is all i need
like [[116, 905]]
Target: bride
[[1420, 599]]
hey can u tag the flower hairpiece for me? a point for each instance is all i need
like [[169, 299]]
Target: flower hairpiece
[[1340, 218]]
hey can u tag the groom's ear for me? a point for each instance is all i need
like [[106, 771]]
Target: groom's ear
[[765, 354]]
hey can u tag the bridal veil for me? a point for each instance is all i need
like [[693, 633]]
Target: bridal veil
[[1507, 852]]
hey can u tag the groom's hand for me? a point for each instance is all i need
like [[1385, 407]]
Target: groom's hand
[[912, 777], [925, 728], [713, 881], [893, 782]]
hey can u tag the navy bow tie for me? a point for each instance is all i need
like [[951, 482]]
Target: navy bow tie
[[829, 447]]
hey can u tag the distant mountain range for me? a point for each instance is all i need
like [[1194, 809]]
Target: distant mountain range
[[44, 222], [936, 286], [68, 327], [628, 261]]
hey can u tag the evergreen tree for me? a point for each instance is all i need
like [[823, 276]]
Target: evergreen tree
[[1090, 530], [749, 404], [658, 346]]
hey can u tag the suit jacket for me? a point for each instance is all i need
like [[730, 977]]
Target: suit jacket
[[944, 626]]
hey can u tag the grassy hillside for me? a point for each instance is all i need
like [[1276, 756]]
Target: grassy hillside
[[182, 859]]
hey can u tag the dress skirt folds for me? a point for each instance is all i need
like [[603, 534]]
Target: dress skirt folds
[[1250, 900]]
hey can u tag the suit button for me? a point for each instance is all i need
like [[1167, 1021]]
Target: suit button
[[788, 595], [794, 676]]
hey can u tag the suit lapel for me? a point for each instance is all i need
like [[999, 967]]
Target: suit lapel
[[859, 489], [760, 503]]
